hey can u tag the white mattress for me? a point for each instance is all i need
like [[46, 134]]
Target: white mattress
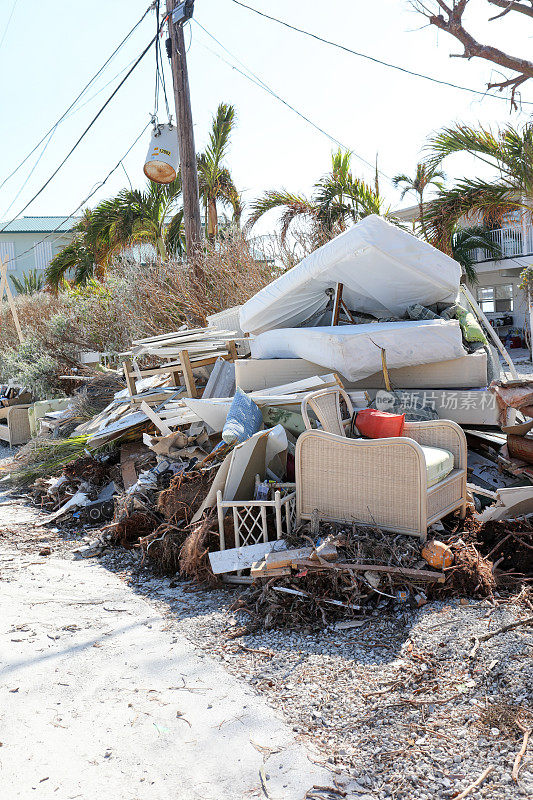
[[355, 350], [383, 270]]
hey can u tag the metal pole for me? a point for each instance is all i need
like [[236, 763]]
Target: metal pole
[[182, 98]]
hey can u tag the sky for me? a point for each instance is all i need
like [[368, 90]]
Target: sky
[[49, 50]]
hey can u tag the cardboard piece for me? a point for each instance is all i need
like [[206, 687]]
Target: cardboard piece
[[510, 503]]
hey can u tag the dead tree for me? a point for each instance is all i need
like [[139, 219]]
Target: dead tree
[[448, 16]]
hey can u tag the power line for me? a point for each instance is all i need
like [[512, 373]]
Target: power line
[[86, 199], [85, 132], [255, 79], [43, 151], [8, 23], [376, 60], [91, 81]]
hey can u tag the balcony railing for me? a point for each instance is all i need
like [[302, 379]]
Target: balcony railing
[[512, 242]]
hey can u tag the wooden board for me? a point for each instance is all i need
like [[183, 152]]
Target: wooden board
[[285, 558], [415, 574], [158, 422], [242, 557], [5, 287], [129, 451]]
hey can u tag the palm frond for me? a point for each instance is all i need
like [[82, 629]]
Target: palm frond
[[467, 198], [465, 241], [70, 259], [296, 205]]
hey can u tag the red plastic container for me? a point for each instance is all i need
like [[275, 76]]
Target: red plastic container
[[379, 424]]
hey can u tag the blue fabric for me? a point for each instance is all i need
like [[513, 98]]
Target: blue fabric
[[243, 420]]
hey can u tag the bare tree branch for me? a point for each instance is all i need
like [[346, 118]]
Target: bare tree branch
[[452, 22], [513, 5]]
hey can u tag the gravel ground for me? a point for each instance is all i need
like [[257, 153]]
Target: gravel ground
[[396, 702]]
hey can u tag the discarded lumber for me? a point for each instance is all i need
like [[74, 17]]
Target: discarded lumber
[[283, 558], [415, 574], [158, 422], [242, 557]]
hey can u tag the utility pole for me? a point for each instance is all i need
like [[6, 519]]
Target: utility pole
[[182, 98]]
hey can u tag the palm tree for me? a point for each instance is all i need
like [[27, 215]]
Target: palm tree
[[425, 176], [465, 241], [132, 217], [508, 151], [30, 283], [82, 257], [214, 179], [338, 200]]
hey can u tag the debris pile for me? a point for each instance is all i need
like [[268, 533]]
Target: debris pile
[[253, 471]]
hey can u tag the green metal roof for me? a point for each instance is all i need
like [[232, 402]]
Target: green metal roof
[[40, 224]]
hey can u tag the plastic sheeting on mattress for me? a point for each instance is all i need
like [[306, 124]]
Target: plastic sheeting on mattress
[[383, 270]]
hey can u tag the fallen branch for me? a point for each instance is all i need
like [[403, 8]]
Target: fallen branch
[[510, 627], [474, 785], [520, 754], [421, 574]]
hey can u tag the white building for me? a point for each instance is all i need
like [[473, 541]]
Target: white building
[[498, 289], [31, 242]]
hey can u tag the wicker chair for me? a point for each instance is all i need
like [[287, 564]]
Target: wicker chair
[[380, 481], [15, 425], [325, 404]]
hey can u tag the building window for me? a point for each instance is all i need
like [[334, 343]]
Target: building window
[[7, 250], [43, 254], [496, 299]]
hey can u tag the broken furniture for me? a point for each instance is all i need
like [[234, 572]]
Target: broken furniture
[[182, 352], [383, 482], [251, 517], [15, 425], [325, 404]]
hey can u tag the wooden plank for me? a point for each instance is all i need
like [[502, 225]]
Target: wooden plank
[[303, 386], [5, 287], [416, 574], [128, 375], [337, 304], [158, 422], [285, 558], [128, 451], [187, 374], [175, 334], [259, 570], [231, 347], [242, 557]]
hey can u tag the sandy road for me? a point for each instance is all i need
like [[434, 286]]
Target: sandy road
[[100, 699]]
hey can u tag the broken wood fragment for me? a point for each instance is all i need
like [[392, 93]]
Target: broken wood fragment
[[415, 574]]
